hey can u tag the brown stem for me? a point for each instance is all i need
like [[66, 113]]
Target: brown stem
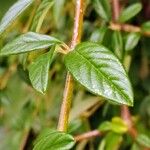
[[68, 91], [126, 116], [127, 28], [115, 10], [87, 135]]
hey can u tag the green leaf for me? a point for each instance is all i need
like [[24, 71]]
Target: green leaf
[[98, 35], [13, 13], [38, 71], [132, 40], [98, 69], [117, 43], [105, 126], [118, 125], [57, 11], [28, 42], [146, 26], [130, 12], [143, 140], [40, 14], [135, 147], [54, 140], [113, 141], [103, 8]]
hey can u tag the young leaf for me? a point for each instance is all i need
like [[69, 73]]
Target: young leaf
[[103, 8], [13, 13], [54, 140], [28, 42], [132, 40], [40, 14], [98, 35], [96, 68], [117, 125], [38, 71], [130, 12]]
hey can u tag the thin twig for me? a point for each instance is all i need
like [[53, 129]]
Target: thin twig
[[87, 135], [128, 28], [68, 91], [115, 10]]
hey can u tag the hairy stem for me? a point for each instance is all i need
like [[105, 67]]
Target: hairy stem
[[68, 91]]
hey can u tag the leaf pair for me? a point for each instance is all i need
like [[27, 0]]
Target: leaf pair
[[38, 70], [91, 64]]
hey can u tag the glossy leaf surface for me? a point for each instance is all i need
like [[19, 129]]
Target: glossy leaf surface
[[98, 69], [28, 42], [54, 140], [38, 71], [13, 13]]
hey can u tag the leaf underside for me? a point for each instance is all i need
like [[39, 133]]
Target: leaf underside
[[13, 13]]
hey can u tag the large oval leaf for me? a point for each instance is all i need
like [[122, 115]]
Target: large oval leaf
[[54, 140], [38, 71], [28, 42], [97, 68], [130, 12], [13, 13]]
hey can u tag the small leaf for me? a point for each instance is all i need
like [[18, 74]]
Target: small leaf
[[132, 40], [143, 140], [57, 12], [98, 35], [54, 140], [117, 43], [103, 8], [13, 13], [96, 68], [40, 14], [105, 126], [118, 125], [38, 71], [28, 42], [130, 12], [146, 26]]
